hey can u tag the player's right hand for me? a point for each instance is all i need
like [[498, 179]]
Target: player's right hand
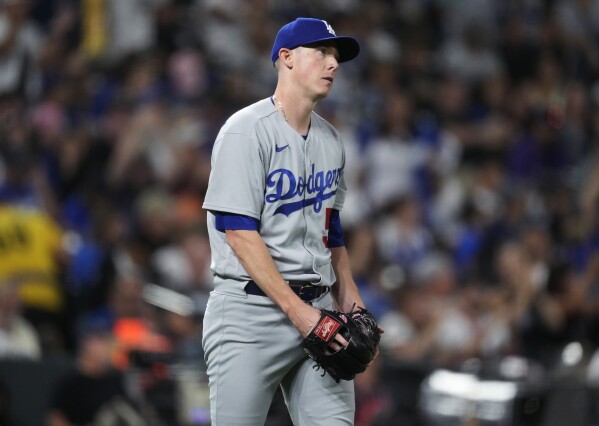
[[304, 317]]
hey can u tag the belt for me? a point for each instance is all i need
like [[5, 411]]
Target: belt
[[304, 290]]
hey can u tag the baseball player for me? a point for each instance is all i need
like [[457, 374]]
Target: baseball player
[[278, 256]]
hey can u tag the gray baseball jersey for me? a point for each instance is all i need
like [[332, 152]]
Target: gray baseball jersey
[[264, 169]]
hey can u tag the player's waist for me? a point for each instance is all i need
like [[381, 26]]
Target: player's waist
[[305, 290]]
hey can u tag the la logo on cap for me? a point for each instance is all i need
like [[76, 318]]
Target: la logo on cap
[[329, 28]]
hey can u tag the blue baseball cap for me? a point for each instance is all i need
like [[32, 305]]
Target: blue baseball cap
[[305, 31]]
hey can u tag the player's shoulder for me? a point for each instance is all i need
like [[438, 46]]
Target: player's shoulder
[[320, 123], [245, 120]]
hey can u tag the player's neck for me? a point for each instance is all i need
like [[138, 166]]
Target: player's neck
[[295, 110]]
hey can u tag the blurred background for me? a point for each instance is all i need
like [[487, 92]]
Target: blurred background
[[471, 129]]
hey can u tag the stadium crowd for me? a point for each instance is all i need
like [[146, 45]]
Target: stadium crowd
[[471, 130]]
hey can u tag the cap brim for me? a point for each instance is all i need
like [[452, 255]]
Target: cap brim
[[348, 47]]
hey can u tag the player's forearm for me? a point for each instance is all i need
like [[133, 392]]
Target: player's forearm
[[257, 261], [255, 258], [345, 292]]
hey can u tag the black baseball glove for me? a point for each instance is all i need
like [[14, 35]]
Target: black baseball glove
[[360, 330]]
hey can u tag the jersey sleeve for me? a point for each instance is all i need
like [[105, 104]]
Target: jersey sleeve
[[236, 183]]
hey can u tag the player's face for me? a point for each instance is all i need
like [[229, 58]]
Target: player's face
[[316, 68]]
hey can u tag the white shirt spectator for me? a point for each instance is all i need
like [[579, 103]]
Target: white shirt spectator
[[18, 61], [132, 26], [579, 19], [224, 31], [391, 164], [20, 340]]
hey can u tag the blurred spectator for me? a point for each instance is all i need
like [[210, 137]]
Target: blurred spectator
[[223, 30], [125, 27], [364, 260], [185, 332], [180, 317], [534, 312], [33, 256], [378, 42], [402, 236], [440, 323], [456, 334], [134, 323], [124, 300], [188, 75], [18, 338], [375, 400], [461, 14], [19, 186], [184, 265], [579, 17], [410, 327], [155, 216], [20, 43], [519, 52], [393, 158], [93, 268], [470, 57], [93, 389], [576, 128]]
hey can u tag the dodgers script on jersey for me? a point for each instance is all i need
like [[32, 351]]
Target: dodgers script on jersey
[[264, 169]]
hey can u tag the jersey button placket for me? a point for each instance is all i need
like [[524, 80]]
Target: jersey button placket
[[309, 211]]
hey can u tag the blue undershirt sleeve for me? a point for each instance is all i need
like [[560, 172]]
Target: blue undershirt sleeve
[[224, 221], [335, 231]]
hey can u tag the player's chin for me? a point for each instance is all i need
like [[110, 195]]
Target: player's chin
[[324, 92]]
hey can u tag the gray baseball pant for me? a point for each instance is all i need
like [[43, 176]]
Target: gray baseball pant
[[251, 348]]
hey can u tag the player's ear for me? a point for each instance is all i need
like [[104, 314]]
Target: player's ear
[[285, 57]]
